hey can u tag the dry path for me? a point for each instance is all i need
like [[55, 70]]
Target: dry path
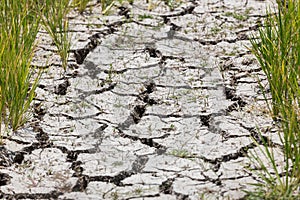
[[155, 104]]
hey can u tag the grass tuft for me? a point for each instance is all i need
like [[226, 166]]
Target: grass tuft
[[277, 49], [18, 29], [54, 19]]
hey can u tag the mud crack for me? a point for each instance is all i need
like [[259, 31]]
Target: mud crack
[[4, 179], [140, 106], [51, 195], [81, 54], [61, 89]]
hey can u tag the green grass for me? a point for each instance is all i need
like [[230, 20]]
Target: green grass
[[20, 22], [277, 49], [18, 29], [106, 5], [55, 22], [81, 5]]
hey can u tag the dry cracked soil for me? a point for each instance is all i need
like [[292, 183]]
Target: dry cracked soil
[[158, 102]]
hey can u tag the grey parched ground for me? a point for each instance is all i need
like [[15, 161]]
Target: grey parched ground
[[155, 104]]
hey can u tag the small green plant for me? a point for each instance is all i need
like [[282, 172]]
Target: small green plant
[[172, 4], [277, 49], [172, 127], [181, 153], [238, 16], [215, 30], [55, 22], [138, 191], [110, 74], [144, 16], [19, 26]]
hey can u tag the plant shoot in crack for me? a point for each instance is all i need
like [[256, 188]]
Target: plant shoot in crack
[[55, 22], [110, 75], [277, 50], [106, 5], [80, 5]]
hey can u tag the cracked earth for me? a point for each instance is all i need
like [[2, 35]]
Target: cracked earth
[[155, 104]]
